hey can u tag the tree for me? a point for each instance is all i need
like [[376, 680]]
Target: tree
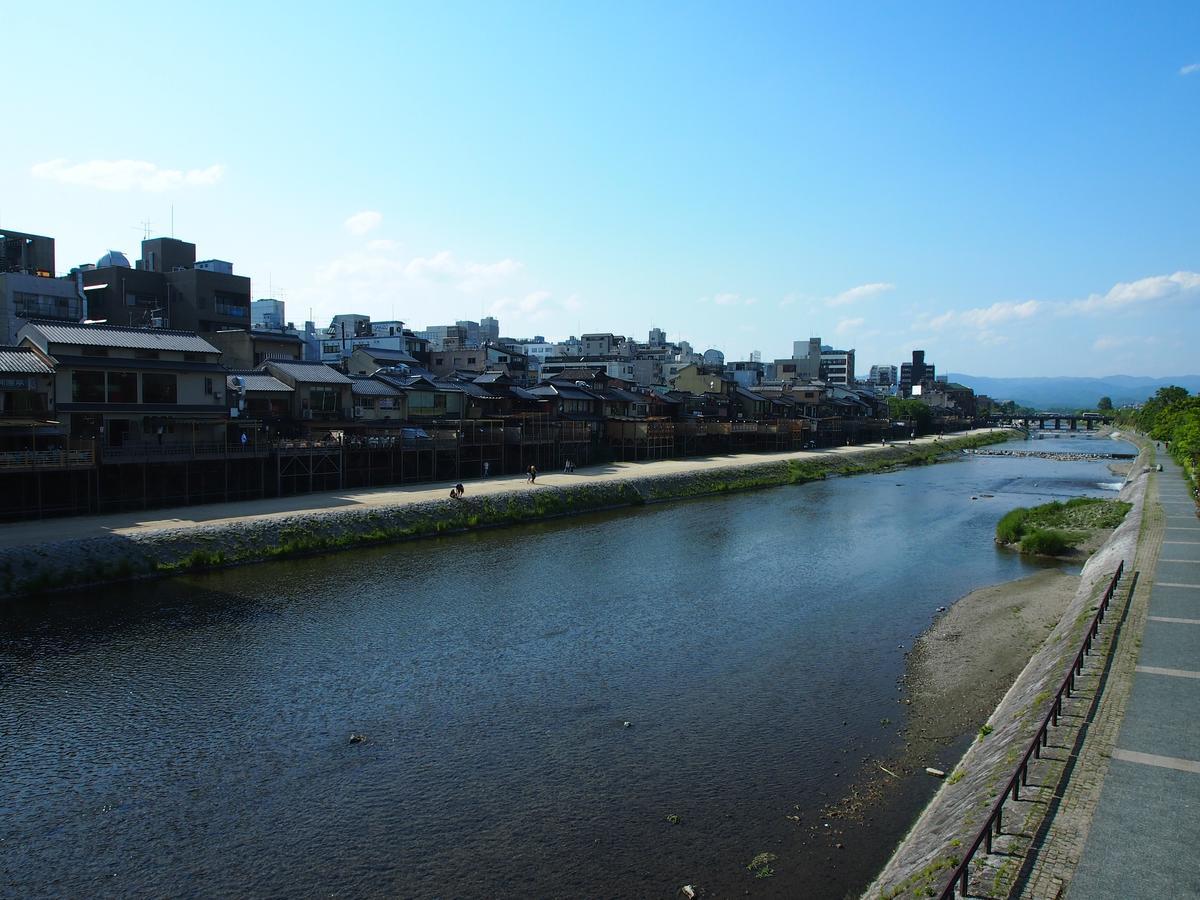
[[1105, 403]]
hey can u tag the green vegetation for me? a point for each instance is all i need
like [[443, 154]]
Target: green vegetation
[[1171, 415], [913, 411], [984, 731], [760, 866], [1056, 528], [673, 819], [923, 883], [1049, 542]]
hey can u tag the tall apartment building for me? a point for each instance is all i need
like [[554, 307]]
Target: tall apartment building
[[916, 374], [168, 288], [836, 366]]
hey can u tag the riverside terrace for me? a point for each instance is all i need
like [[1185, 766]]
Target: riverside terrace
[[99, 418]]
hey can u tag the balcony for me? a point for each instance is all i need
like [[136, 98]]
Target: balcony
[[80, 455]]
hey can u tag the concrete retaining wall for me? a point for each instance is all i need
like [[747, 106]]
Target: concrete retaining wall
[[927, 855], [70, 565]]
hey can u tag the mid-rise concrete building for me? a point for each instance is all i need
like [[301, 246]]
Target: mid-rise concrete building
[[28, 288], [917, 376], [884, 376], [837, 366], [268, 314], [167, 289]]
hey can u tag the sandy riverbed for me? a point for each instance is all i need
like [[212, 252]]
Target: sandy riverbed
[[970, 656]]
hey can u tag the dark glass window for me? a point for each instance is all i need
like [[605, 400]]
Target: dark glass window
[[122, 387], [87, 387], [159, 388]]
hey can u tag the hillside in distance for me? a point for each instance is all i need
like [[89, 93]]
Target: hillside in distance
[[1068, 393]]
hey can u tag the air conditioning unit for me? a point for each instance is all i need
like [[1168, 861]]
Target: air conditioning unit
[[358, 412], [306, 413]]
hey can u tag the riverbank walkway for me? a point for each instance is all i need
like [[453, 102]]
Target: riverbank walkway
[[1142, 840], [47, 531], [1124, 823]]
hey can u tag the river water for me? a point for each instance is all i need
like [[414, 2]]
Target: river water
[[191, 737]]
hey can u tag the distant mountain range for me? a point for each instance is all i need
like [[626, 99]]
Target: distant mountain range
[[1051, 394]]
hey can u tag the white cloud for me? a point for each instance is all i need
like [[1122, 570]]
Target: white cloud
[[846, 326], [439, 267], [362, 222], [999, 313], [1190, 69], [125, 175], [533, 307], [862, 292], [468, 277], [1144, 290]]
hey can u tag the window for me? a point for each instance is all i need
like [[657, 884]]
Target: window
[[208, 385], [159, 388], [323, 399], [439, 361], [87, 387], [122, 387], [193, 357], [231, 305], [331, 347], [95, 351], [146, 354], [470, 360]]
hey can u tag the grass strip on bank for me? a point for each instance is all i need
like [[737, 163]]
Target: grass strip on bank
[[1055, 529]]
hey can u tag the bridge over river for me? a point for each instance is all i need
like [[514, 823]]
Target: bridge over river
[[1071, 421]]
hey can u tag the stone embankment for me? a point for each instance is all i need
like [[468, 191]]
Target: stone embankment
[[925, 858], [106, 555]]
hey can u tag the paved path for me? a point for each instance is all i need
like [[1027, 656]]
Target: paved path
[[1142, 839], [23, 534]]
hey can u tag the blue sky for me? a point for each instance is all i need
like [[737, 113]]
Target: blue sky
[[1013, 189]]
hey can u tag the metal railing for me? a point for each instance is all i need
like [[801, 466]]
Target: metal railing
[[48, 459], [171, 451], [1020, 777]]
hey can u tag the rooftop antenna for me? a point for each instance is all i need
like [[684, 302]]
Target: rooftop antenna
[[146, 226]]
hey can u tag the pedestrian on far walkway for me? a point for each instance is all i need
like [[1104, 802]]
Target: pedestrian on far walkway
[[532, 474]]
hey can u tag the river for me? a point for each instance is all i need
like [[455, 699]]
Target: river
[[191, 737]]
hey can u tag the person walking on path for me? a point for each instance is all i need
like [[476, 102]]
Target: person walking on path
[[532, 474]]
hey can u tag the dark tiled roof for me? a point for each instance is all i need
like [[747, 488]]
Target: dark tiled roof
[[373, 387], [22, 360], [567, 392], [118, 336], [391, 355], [260, 381], [492, 378], [310, 372]]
